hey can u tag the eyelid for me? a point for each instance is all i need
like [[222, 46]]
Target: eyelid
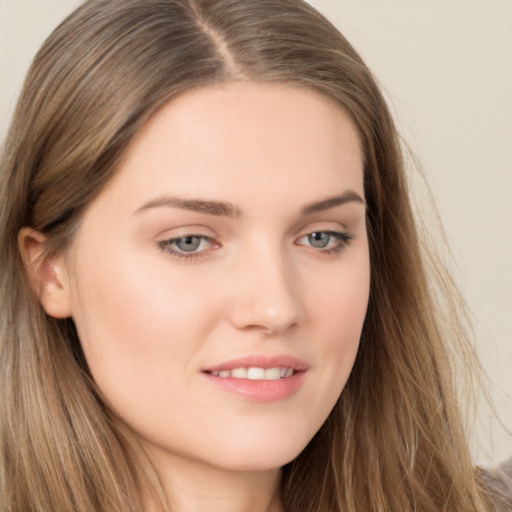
[[168, 239], [184, 230], [342, 238], [165, 245], [336, 233]]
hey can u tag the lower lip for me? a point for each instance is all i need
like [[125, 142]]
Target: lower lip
[[260, 390]]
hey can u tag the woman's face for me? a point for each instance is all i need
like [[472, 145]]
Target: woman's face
[[220, 281]]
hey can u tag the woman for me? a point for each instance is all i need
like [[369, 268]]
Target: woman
[[213, 290]]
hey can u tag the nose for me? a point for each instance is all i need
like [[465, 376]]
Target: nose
[[266, 294]]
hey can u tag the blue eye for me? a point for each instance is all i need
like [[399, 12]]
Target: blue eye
[[327, 242], [188, 243], [186, 246], [319, 240]]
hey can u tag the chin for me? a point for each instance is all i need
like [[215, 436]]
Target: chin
[[264, 453]]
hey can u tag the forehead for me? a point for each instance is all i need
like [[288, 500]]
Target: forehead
[[243, 140]]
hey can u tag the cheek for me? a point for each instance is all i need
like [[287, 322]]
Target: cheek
[[135, 327], [337, 301], [341, 312], [141, 338], [341, 306]]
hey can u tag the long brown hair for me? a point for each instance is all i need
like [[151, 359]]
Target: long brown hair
[[394, 441]]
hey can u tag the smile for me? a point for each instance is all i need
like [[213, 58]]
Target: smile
[[259, 378], [255, 373]]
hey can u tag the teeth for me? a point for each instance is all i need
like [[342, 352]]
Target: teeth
[[239, 373], [255, 373], [272, 373]]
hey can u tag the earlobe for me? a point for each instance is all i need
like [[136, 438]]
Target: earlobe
[[48, 277]]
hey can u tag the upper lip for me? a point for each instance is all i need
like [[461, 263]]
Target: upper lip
[[260, 361]]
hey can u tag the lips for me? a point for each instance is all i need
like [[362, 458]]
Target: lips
[[259, 378]]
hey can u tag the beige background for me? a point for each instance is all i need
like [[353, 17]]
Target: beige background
[[446, 66]]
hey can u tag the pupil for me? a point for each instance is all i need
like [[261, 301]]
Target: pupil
[[188, 243], [319, 240]]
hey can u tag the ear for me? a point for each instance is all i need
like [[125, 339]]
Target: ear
[[48, 277]]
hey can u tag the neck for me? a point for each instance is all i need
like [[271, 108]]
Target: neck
[[192, 486]]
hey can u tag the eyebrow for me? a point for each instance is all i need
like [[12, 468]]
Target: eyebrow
[[350, 196], [225, 209], [218, 208]]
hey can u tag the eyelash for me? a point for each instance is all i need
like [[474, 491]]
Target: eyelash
[[343, 241], [167, 246]]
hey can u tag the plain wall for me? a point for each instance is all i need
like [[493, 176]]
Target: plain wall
[[446, 66]]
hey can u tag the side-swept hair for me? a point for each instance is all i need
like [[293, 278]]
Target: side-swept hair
[[394, 441]]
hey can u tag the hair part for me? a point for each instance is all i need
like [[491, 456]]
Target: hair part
[[394, 440]]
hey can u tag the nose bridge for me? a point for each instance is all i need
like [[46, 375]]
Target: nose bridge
[[267, 290]]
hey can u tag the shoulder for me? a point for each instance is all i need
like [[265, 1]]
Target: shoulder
[[498, 485]]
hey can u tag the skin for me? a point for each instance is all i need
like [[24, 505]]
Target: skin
[[150, 321]]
